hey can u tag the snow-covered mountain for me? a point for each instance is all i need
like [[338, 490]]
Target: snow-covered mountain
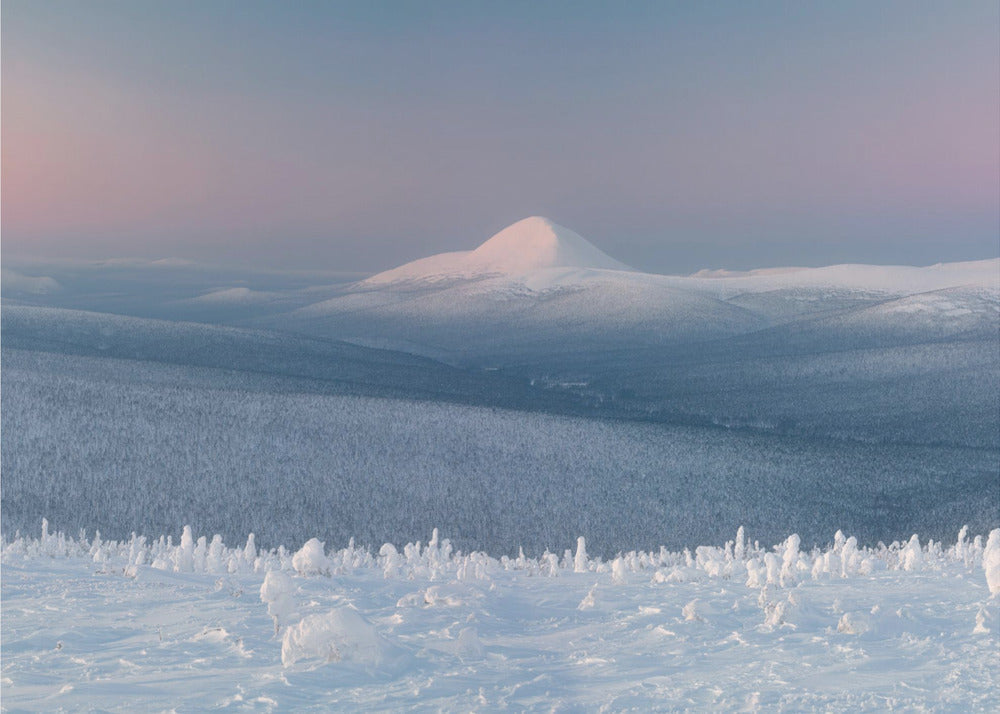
[[530, 284], [536, 285], [531, 244], [868, 397], [888, 353], [862, 351]]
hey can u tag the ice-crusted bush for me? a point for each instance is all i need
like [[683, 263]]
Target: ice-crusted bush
[[912, 556], [991, 562], [277, 593], [311, 559]]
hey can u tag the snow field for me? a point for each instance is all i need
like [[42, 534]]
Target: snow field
[[152, 624]]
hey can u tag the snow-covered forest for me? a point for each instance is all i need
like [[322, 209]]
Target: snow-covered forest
[[516, 488], [473, 357], [125, 446]]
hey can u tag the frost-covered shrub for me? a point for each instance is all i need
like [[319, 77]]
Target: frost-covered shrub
[[991, 561], [912, 557], [311, 559], [277, 592], [782, 567]]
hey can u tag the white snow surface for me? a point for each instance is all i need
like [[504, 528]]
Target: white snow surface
[[886, 279], [539, 277], [541, 255], [533, 243], [147, 625]]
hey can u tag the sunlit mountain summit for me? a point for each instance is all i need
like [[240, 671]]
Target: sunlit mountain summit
[[533, 243]]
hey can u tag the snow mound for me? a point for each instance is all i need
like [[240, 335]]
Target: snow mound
[[533, 243], [467, 645], [341, 635]]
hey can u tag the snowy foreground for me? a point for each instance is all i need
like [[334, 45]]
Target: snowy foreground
[[149, 625]]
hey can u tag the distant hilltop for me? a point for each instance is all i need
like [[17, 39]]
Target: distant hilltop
[[533, 243]]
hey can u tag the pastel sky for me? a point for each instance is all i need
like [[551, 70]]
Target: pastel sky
[[355, 136]]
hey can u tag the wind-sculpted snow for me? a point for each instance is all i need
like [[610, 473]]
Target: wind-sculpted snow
[[119, 625]]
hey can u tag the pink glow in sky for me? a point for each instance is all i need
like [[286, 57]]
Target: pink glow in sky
[[674, 138]]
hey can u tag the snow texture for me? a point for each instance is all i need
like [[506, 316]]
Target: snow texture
[[147, 624]]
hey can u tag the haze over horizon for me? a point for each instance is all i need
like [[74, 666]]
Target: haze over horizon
[[357, 137]]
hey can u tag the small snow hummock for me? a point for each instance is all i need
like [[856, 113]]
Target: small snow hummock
[[340, 635]]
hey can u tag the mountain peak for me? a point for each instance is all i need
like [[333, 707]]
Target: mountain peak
[[537, 242], [533, 243]]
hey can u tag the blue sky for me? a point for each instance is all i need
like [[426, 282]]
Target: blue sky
[[359, 135]]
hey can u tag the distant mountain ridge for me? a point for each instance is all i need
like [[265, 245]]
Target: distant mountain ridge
[[536, 286], [870, 352]]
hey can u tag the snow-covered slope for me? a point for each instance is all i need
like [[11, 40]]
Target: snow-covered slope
[[865, 351], [143, 625], [15, 283], [542, 277], [255, 357], [887, 279], [135, 446], [537, 291], [531, 284], [533, 243]]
